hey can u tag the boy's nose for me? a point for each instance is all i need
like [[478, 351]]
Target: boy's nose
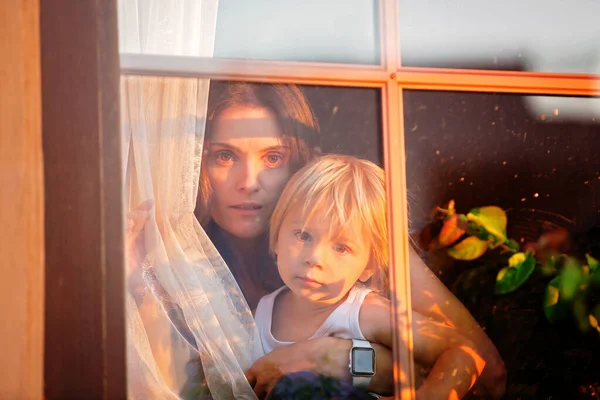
[[315, 259]]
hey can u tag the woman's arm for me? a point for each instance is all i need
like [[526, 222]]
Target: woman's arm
[[432, 299], [456, 364], [327, 356]]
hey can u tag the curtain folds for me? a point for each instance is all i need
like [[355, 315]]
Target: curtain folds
[[190, 331]]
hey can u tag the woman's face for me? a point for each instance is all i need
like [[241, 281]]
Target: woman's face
[[248, 165]]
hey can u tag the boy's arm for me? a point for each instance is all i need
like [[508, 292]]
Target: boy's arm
[[456, 365]]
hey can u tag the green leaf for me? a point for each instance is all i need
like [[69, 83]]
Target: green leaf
[[521, 266], [571, 279], [592, 262], [492, 219], [468, 249], [451, 231], [580, 311], [554, 309], [549, 266], [517, 260], [512, 245]]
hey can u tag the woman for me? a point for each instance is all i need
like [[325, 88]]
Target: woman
[[257, 136]]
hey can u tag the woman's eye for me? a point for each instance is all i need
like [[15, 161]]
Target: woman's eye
[[302, 236], [340, 248], [224, 158], [273, 159]]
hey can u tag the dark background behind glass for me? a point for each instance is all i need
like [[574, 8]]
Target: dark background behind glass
[[350, 120], [538, 157]]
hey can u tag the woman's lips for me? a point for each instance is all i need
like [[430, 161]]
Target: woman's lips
[[247, 208]]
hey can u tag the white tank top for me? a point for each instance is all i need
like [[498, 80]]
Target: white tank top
[[342, 323]]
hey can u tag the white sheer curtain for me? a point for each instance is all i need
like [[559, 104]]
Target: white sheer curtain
[[191, 311]]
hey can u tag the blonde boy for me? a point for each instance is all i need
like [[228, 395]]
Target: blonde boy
[[330, 237]]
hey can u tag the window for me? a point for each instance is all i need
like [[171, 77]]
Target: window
[[495, 133]]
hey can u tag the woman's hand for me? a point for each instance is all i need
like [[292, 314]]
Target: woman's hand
[[135, 248], [267, 370], [327, 356], [492, 381]]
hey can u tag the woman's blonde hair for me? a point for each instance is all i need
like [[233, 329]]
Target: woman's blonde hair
[[351, 192], [288, 103]]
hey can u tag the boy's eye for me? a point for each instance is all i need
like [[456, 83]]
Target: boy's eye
[[340, 248], [302, 236]]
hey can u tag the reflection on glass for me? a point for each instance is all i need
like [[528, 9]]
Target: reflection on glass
[[535, 158], [291, 30], [547, 36], [284, 30]]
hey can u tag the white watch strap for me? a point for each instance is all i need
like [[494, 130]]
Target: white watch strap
[[361, 382]]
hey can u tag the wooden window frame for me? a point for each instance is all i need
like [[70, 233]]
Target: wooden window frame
[[21, 202], [85, 289], [84, 338]]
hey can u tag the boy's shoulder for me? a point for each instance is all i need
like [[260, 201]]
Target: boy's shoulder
[[266, 303], [376, 301], [375, 318]]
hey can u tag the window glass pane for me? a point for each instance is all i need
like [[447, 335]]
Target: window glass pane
[[282, 30], [292, 30], [535, 157], [216, 160], [541, 36]]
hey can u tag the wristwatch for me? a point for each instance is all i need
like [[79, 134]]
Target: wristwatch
[[362, 363]]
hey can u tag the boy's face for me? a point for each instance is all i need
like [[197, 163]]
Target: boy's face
[[317, 263]]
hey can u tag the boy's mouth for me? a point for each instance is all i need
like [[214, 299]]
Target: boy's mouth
[[309, 282]]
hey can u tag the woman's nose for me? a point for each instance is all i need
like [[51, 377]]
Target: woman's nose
[[248, 179]]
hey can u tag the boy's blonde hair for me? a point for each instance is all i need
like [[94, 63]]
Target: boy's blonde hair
[[352, 193]]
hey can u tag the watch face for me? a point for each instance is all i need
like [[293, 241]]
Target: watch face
[[363, 361]]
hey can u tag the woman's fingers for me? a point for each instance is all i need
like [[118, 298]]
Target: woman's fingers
[[250, 378], [136, 219], [262, 376], [257, 385], [134, 241]]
